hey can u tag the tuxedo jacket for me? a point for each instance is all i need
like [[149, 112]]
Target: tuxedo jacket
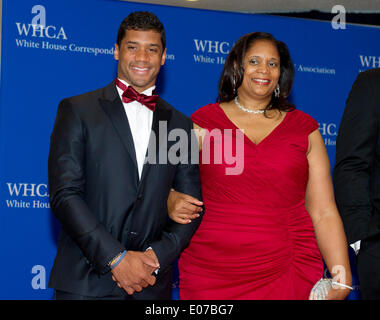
[[102, 205], [357, 169]]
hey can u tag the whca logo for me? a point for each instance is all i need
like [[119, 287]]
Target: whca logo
[[38, 27]]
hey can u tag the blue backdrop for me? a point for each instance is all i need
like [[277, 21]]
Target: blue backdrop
[[73, 53]]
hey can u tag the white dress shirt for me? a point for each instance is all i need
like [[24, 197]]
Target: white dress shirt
[[140, 121]]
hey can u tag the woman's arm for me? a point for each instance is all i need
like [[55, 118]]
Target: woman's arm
[[328, 225]]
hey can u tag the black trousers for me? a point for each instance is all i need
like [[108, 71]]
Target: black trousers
[[368, 266], [62, 295], [162, 290]]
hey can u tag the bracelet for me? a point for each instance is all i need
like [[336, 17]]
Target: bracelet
[[117, 259], [342, 285]]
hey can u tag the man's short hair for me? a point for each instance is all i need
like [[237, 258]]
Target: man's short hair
[[144, 21]]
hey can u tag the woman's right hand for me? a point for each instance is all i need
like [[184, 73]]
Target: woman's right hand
[[183, 208]]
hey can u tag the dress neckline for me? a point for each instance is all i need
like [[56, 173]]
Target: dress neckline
[[268, 136]]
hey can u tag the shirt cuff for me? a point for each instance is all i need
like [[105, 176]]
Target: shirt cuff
[[356, 246], [155, 271]]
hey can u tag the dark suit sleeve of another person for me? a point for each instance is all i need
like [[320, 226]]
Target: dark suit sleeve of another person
[[66, 187], [355, 155], [176, 237]]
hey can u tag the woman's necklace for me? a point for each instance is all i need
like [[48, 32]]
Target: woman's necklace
[[247, 110]]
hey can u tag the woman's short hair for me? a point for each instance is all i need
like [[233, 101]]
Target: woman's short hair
[[233, 71]]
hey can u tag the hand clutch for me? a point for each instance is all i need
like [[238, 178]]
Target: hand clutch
[[320, 289]]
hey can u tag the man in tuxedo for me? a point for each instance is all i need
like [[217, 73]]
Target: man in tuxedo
[[116, 240], [357, 178]]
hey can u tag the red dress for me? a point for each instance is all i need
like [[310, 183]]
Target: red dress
[[256, 239]]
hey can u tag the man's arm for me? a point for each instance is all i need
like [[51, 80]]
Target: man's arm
[[66, 189], [176, 237], [355, 152]]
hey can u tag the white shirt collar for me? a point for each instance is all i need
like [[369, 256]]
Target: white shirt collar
[[147, 92]]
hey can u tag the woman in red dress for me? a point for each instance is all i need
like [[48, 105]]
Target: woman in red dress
[[270, 215]]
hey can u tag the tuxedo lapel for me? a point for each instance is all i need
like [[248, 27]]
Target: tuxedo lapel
[[114, 109], [161, 114]]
